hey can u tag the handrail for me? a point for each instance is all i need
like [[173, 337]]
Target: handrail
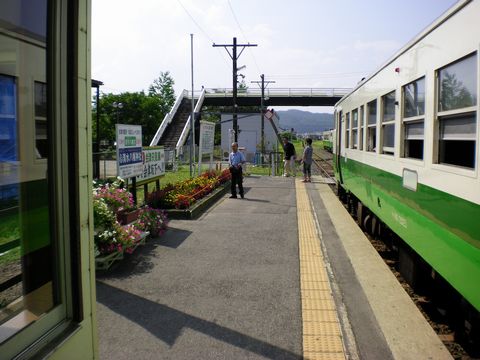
[[186, 128], [284, 92], [168, 118]]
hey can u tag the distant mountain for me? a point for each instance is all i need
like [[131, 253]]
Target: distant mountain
[[305, 121]]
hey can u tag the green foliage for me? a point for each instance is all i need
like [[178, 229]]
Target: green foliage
[[138, 108]]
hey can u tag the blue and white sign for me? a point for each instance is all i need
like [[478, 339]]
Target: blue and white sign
[[129, 150], [153, 163]]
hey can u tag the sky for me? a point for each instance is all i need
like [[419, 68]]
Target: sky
[[300, 43]]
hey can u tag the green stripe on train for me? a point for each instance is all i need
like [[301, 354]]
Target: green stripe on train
[[34, 216], [441, 228]]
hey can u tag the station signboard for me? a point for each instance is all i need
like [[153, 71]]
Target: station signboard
[[129, 150], [153, 163]]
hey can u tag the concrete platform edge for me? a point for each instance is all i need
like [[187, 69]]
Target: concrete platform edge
[[406, 331]]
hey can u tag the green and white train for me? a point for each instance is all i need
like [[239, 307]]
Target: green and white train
[[47, 282], [407, 155]]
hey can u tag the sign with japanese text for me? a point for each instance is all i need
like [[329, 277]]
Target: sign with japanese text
[[153, 163], [129, 150], [207, 133]]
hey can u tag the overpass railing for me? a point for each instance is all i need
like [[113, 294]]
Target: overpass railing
[[186, 129], [168, 118], [275, 92]]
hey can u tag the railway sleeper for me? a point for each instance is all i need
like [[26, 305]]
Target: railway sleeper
[[436, 296]]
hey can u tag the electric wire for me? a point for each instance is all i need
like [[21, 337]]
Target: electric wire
[[203, 31], [243, 33]]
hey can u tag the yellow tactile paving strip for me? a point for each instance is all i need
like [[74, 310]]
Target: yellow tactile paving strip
[[322, 338]]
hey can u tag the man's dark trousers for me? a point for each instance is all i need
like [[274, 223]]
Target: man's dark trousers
[[237, 178]]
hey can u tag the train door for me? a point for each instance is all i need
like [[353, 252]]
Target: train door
[[338, 144]]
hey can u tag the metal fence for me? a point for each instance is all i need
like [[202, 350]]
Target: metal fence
[[271, 163]]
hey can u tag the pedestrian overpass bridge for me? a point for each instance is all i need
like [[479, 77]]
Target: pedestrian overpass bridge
[[273, 96], [175, 127]]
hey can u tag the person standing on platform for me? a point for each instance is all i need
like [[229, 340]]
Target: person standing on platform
[[235, 160], [289, 160], [307, 161]]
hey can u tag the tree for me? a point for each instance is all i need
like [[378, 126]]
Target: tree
[[163, 88], [137, 108]]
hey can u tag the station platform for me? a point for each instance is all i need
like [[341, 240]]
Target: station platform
[[283, 274]]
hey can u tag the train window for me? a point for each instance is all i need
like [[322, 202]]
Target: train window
[[372, 126], [347, 127], [414, 98], [457, 140], [41, 143], [458, 84], [413, 119], [388, 123], [360, 127], [355, 128], [457, 116]]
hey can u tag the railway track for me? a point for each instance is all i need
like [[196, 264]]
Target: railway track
[[323, 164]]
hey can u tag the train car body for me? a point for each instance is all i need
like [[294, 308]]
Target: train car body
[[406, 146], [47, 282]]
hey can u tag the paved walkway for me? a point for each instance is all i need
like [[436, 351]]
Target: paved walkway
[[225, 286], [238, 282]]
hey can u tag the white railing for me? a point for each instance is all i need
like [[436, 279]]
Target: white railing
[[186, 128], [279, 92], [168, 118]]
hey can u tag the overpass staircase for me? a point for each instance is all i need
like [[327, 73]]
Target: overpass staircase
[[173, 131]]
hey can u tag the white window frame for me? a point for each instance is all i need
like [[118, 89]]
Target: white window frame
[[387, 150]]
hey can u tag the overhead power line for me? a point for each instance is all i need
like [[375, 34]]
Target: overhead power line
[[201, 29], [241, 30]]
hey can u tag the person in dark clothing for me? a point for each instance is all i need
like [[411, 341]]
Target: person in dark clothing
[[289, 160], [235, 160]]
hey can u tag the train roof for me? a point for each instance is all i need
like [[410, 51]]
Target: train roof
[[435, 24]]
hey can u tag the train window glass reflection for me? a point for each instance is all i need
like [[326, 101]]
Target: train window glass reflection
[[413, 119], [457, 116], [347, 126], [28, 286], [458, 84], [372, 126], [388, 123], [355, 129], [414, 98], [41, 145]]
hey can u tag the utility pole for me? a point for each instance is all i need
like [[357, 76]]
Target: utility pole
[[263, 84], [234, 58], [192, 120]]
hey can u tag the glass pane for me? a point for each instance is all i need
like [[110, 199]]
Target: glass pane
[[458, 84], [27, 263], [389, 135], [458, 128], [40, 99], [414, 131], [372, 139], [372, 112], [27, 17], [355, 118], [347, 119], [388, 107], [414, 98], [354, 138]]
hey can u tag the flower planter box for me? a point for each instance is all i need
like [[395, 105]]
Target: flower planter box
[[127, 217], [200, 206], [103, 262]]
